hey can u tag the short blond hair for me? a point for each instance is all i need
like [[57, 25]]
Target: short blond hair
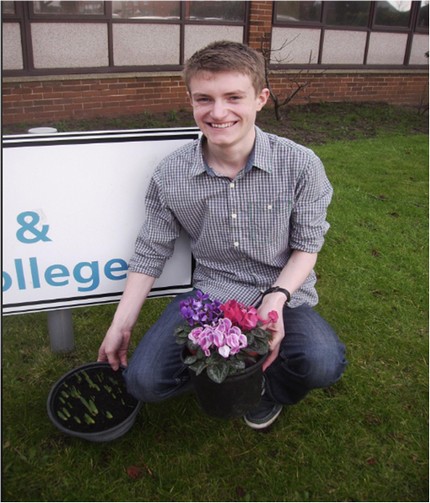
[[225, 56]]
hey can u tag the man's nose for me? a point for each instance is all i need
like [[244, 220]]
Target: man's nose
[[218, 109]]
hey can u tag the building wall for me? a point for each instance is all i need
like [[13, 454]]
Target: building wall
[[41, 99], [44, 100]]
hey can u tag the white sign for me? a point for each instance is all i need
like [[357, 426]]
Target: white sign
[[73, 204]]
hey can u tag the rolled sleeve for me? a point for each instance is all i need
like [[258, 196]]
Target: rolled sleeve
[[312, 197], [156, 239]]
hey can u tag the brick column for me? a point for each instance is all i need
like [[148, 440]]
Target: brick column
[[260, 23]]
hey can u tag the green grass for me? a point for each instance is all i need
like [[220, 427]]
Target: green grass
[[364, 439]]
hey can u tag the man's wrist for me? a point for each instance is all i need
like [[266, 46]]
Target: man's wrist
[[278, 289]]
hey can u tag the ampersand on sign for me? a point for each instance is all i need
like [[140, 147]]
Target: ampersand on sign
[[28, 233]]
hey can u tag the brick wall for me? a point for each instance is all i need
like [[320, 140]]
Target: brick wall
[[396, 88], [260, 22], [43, 101]]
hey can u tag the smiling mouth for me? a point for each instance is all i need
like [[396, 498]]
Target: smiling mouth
[[224, 125]]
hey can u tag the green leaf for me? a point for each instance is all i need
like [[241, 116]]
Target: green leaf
[[181, 334], [190, 359], [260, 346], [199, 366], [237, 364], [218, 373]]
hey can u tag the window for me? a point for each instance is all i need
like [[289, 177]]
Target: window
[[146, 10], [156, 10], [423, 15], [347, 13], [8, 7], [394, 13], [294, 12], [219, 11], [350, 33], [79, 8], [66, 37]]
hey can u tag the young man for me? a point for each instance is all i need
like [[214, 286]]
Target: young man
[[254, 207]]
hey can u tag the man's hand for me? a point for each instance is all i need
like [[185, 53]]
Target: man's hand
[[273, 302], [117, 339], [114, 347]]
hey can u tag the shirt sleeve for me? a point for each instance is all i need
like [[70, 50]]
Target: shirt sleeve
[[156, 239], [312, 196]]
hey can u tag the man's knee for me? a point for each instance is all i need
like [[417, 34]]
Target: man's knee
[[154, 383], [142, 385], [317, 367]]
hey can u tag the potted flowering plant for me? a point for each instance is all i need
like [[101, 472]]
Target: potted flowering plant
[[224, 343]]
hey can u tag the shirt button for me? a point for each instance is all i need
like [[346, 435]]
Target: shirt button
[[233, 215], [269, 207], [236, 244], [231, 185]]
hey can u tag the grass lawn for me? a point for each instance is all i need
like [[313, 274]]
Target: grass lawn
[[364, 439]]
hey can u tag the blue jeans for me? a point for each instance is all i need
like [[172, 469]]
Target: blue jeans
[[311, 356]]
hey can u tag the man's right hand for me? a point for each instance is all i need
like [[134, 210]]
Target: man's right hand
[[114, 347], [117, 339]]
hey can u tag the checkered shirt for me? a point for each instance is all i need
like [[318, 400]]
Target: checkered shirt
[[242, 231]]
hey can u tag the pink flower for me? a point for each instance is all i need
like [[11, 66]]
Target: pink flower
[[194, 335], [236, 341], [273, 316], [218, 337]]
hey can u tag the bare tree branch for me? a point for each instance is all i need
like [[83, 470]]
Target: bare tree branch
[[298, 85]]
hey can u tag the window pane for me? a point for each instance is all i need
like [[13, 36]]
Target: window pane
[[146, 10], [347, 13], [394, 13], [215, 11], [8, 7], [65, 8], [423, 16], [298, 11]]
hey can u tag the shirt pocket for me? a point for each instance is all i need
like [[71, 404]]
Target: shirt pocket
[[269, 219]]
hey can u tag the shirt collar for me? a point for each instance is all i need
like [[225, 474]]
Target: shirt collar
[[258, 158]]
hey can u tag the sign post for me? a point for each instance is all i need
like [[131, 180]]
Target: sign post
[[60, 329]]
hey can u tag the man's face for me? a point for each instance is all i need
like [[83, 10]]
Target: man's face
[[225, 106]]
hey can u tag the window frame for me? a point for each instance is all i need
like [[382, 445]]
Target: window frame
[[34, 16], [410, 30], [25, 16]]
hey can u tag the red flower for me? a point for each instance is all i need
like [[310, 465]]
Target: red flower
[[243, 316]]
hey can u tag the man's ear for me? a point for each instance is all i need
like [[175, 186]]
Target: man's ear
[[262, 98], [190, 98]]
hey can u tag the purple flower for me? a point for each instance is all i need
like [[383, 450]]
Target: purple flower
[[200, 310]]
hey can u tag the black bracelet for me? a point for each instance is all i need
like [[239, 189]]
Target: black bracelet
[[278, 289]]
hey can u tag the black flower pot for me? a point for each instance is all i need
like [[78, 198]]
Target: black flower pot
[[91, 402], [235, 396]]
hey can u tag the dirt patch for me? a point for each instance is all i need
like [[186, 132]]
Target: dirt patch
[[312, 124]]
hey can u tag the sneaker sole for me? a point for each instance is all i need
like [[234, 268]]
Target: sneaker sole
[[266, 424]]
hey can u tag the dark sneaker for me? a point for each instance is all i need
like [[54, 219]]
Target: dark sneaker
[[263, 415]]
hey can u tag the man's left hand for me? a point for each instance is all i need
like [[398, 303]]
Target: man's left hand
[[275, 328]]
